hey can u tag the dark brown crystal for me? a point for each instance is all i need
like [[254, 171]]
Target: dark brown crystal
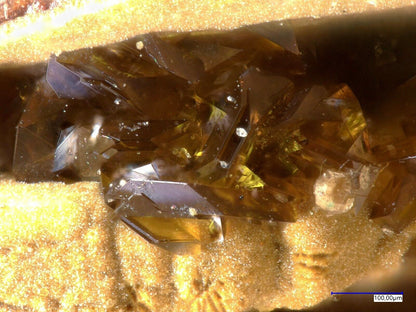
[[186, 130]]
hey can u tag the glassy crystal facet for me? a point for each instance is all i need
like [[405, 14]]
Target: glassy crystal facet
[[187, 130]]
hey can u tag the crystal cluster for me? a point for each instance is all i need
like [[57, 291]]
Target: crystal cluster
[[185, 130]]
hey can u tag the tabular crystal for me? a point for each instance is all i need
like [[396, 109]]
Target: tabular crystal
[[187, 130]]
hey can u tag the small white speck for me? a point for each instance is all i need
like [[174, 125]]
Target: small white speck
[[231, 99], [241, 132], [139, 45], [192, 211], [223, 164]]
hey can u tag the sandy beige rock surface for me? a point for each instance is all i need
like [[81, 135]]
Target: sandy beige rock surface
[[73, 24], [62, 249]]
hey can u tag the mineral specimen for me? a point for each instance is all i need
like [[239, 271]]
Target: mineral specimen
[[186, 130]]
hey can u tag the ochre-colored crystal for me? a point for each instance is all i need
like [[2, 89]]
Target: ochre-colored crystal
[[187, 130]]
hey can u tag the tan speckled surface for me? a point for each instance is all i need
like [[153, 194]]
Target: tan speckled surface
[[61, 248], [81, 23]]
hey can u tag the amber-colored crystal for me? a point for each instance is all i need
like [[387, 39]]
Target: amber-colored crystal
[[186, 130]]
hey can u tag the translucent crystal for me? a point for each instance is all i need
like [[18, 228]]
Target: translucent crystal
[[333, 192], [172, 59], [82, 151], [339, 191], [281, 34], [187, 130], [13, 90], [33, 155], [66, 83]]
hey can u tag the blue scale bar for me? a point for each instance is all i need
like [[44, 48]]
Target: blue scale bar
[[366, 293]]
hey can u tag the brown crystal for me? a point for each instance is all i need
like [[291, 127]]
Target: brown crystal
[[186, 130]]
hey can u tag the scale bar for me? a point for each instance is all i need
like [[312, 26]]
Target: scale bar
[[366, 293]]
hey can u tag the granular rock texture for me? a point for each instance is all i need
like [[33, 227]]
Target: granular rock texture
[[71, 253], [252, 174], [75, 24]]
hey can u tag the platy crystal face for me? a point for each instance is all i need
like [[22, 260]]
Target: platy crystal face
[[333, 192], [187, 130]]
